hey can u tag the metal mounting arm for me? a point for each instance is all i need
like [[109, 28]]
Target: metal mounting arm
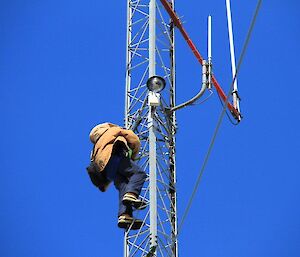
[[202, 90]]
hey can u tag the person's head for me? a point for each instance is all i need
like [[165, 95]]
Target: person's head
[[99, 130]]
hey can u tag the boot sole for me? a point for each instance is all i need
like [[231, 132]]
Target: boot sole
[[137, 204], [125, 224]]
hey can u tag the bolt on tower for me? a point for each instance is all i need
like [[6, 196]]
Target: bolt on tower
[[150, 52]]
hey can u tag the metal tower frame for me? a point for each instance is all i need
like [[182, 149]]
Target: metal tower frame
[[150, 51]]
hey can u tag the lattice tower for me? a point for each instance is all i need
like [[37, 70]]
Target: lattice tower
[[150, 51]]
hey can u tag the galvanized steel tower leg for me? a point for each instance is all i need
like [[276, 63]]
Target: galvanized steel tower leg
[[152, 136]]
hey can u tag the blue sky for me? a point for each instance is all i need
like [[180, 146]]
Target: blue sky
[[62, 70]]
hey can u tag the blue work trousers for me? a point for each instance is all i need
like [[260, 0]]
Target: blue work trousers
[[127, 177]]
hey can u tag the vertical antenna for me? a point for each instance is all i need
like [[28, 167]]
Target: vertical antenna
[[209, 70], [232, 56]]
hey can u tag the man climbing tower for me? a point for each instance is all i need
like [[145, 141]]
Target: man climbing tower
[[112, 160]]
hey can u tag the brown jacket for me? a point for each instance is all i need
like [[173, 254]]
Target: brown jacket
[[104, 136]]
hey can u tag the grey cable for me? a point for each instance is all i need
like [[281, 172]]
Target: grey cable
[[220, 118]]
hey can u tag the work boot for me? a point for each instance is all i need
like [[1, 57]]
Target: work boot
[[132, 199], [126, 221]]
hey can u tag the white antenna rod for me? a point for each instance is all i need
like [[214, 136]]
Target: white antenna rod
[[232, 55], [209, 37], [209, 52]]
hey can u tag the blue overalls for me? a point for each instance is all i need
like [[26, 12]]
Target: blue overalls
[[127, 177]]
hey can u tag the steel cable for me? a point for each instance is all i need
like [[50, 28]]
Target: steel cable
[[219, 120]]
